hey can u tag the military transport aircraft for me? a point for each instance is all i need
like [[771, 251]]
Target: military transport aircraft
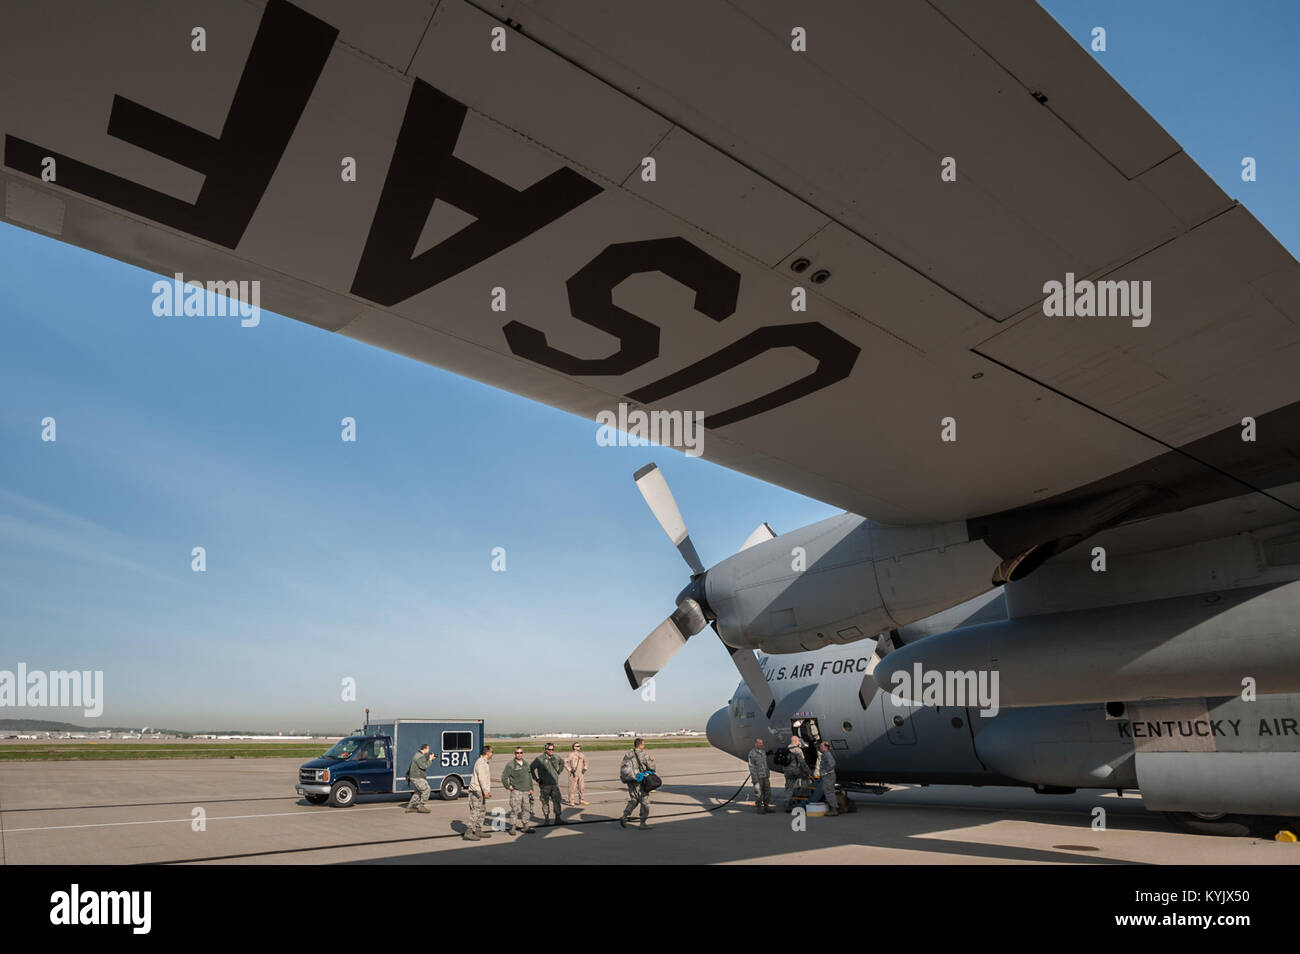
[[882, 739], [923, 260]]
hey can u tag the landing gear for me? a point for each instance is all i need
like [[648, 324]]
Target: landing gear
[[1211, 823]]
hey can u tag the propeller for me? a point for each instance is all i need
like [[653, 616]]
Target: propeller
[[761, 534], [884, 646], [692, 613], [654, 488]]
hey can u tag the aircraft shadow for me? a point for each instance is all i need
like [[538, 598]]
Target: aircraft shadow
[[729, 837]]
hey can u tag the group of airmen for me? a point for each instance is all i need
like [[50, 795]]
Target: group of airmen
[[518, 778], [794, 765]]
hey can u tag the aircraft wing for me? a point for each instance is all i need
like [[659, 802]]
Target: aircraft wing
[[503, 223]]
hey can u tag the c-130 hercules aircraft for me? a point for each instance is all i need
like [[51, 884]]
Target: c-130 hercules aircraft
[[833, 231], [1087, 697]]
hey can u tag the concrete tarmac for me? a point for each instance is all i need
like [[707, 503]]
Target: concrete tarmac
[[133, 812]]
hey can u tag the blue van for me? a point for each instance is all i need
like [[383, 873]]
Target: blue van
[[374, 760]]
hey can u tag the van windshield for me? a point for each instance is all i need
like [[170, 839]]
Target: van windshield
[[343, 749]]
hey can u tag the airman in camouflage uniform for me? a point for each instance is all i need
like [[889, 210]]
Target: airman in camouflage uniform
[[419, 783], [545, 770], [760, 773], [795, 771], [516, 780], [826, 769], [636, 764], [480, 790]]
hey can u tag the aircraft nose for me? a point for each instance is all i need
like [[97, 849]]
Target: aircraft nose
[[718, 730]]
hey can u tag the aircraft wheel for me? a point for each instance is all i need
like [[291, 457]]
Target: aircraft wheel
[[1209, 823]]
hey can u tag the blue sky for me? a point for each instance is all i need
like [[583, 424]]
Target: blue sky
[[372, 560], [1221, 77], [324, 559]]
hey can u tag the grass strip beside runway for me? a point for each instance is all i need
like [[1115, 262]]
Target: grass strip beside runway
[[104, 751]]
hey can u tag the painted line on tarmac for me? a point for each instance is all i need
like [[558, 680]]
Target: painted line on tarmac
[[206, 801], [300, 813], [173, 821], [389, 806], [270, 798], [396, 841]]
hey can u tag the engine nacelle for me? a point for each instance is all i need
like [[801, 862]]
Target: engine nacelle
[[1065, 747], [1202, 645], [1208, 756], [843, 579], [1218, 755]]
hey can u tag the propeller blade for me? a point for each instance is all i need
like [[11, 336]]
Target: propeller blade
[[650, 481], [750, 671], [663, 643], [884, 646], [761, 534]]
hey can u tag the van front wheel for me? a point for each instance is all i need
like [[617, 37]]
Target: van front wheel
[[343, 795], [450, 790]]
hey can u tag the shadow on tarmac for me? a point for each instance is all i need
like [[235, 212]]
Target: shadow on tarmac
[[676, 836]]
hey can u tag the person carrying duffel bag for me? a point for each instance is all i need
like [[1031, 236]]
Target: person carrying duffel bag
[[637, 771]]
